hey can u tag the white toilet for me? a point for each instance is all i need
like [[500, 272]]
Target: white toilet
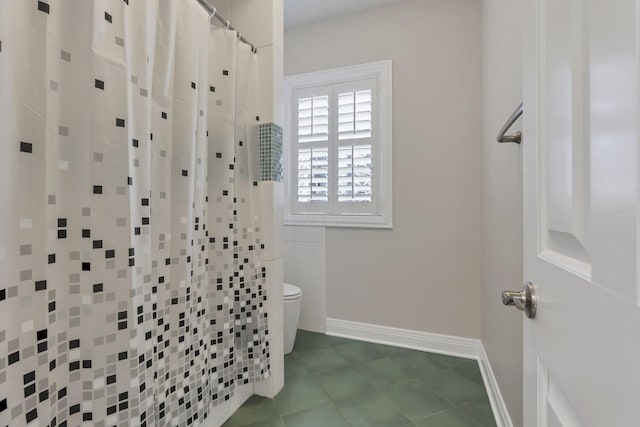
[[292, 302]]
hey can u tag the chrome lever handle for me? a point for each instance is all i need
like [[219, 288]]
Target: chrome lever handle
[[524, 300], [513, 298]]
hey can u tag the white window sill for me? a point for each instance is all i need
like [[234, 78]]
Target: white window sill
[[338, 221]]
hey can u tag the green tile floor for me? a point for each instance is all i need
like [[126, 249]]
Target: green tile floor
[[333, 382]]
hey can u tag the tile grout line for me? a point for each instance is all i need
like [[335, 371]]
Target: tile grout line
[[328, 345], [380, 388]]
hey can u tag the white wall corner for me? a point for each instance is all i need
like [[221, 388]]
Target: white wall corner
[[498, 406]]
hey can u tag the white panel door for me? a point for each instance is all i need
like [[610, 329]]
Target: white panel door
[[581, 204]]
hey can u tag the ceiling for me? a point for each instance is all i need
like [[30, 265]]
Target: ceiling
[[300, 12]]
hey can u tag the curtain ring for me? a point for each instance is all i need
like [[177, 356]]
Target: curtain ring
[[214, 11], [228, 24]]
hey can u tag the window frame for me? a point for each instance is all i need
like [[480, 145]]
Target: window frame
[[381, 71]]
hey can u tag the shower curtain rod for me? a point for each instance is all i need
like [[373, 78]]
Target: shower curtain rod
[[212, 10]]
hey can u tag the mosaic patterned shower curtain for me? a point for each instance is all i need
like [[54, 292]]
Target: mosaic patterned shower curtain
[[131, 280]]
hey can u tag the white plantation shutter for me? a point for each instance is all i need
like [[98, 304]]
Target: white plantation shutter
[[335, 155], [313, 119], [357, 142], [354, 174], [354, 114], [313, 175], [312, 142], [335, 141]]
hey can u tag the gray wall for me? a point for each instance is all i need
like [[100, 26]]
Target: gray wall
[[425, 273], [502, 198]]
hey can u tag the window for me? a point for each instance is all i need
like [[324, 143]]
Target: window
[[338, 147]]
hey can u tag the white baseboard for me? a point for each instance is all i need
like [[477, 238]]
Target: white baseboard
[[500, 412], [467, 348], [405, 338]]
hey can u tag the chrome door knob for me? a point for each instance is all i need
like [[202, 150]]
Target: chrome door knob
[[524, 300]]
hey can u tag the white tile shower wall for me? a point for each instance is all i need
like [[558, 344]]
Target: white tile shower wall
[[310, 266], [305, 267], [289, 251], [311, 234], [271, 215], [221, 413], [275, 278], [261, 23], [270, 61], [272, 385], [252, 17], [313, 314], [269, 39], [268, 210], [289, 233]]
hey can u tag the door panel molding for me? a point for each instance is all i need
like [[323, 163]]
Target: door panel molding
[[581, 181]]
